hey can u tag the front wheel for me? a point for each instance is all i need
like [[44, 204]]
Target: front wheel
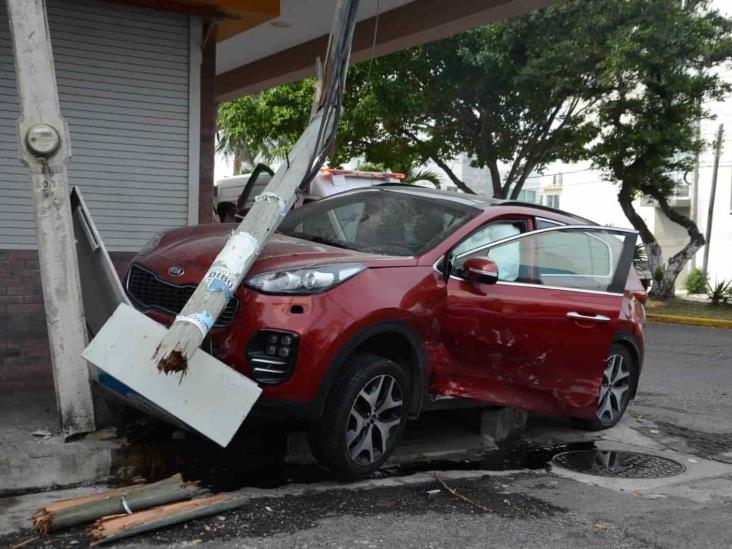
[[364, 418], [618, 380]]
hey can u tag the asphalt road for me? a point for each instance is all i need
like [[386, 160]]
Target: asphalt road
[[683, 410], [687, 377]]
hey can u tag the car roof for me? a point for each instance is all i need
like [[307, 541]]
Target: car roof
[[477, 200]]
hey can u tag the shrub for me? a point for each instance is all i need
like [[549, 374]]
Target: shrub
[[720, 293], [697, 282]]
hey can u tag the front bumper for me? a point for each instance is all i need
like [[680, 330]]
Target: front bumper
[[317, 323]]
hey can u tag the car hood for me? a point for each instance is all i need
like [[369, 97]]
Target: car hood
[[199, 245]]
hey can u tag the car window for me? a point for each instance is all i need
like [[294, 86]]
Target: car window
[[487, 234], [572, 258], [541, 223], [378, 221], [474, 245]]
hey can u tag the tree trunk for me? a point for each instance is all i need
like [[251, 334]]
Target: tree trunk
[[238, 159], [678, 261], [663, 274], [653, 248]]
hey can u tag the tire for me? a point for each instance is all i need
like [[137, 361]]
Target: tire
[[619, 381], [364, 417]]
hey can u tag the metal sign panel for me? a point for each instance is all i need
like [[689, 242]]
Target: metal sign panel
[[211, 398], [101, 288]]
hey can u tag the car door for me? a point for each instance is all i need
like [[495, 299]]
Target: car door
[[538, 338]]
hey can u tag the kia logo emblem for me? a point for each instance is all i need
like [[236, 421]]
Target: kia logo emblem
[[176, 271]]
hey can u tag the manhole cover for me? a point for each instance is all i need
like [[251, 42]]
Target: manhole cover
[[618, 464]]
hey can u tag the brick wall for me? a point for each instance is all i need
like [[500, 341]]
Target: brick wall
[[25, 359]]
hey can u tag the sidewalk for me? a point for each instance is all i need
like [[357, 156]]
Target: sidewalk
[[44, 461], [34, 463]]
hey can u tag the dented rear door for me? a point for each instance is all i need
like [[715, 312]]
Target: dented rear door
[[538, 338]]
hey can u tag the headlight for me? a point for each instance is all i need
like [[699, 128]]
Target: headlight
[[304, 281], [151, 244]]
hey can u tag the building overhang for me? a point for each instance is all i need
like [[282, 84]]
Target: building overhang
[[409, 24], [265, 43]]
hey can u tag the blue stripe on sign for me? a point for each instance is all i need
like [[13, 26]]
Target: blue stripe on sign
[[114, 384]]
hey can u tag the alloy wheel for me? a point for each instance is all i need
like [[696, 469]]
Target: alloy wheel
[[374, 419], [614, 389]]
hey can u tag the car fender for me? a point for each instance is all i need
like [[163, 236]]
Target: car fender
[[420, 377], [630, 339]]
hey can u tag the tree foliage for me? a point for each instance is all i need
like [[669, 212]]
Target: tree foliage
[[515, 93], [263, 127], [620, 82], [659, 71]]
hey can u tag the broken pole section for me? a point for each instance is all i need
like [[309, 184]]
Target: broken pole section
[[244, 245], [71, 512], [45, 147], [116, 527]]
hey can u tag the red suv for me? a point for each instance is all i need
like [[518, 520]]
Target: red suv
[[368, 304]]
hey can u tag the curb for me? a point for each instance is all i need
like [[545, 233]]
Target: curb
[[691, 321]]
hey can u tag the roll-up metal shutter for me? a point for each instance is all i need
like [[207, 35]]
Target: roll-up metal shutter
[[123, 79]]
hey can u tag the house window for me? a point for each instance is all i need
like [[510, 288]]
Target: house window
[[551, 200], [527, 196]]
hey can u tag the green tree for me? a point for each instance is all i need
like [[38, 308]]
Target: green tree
[[660, 69], [515, 94], [620, 82], [263, 127]]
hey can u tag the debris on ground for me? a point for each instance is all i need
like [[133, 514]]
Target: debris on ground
[[25, 543], [458, 495], [70, 512], [116, 527]]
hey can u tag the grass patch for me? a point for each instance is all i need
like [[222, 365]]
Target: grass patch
[[683, 307]]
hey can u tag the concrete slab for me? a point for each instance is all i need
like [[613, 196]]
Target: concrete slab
[[435, 436]]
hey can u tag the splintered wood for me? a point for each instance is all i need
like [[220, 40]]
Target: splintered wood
[[116, 527], [62, 514]]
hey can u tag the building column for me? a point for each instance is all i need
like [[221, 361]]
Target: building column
[[208, 126]]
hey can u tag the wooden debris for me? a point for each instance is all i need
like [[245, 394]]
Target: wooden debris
[[62, 514], [113, 528], [25, 543], [458, 495]]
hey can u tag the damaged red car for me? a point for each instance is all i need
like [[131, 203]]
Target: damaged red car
[[367, 305]]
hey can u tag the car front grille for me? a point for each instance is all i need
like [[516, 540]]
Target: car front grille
[[149, 292]]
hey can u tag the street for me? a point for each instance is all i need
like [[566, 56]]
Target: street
[[683, 411]]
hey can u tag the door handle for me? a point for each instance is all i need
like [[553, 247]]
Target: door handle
[[594, 318]]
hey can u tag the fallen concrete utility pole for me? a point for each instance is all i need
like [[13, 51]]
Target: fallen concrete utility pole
[[132, 349], [244, 245], [70, 512], [45, 148], [114, 528]]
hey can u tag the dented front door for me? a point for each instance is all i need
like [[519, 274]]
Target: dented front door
[[538, 338]]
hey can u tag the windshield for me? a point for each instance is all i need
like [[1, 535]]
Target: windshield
[[378, 221]]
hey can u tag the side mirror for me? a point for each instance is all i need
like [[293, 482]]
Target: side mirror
[[241, 203], [481, 269]]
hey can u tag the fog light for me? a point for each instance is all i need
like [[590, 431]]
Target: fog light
[[272, 355]]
